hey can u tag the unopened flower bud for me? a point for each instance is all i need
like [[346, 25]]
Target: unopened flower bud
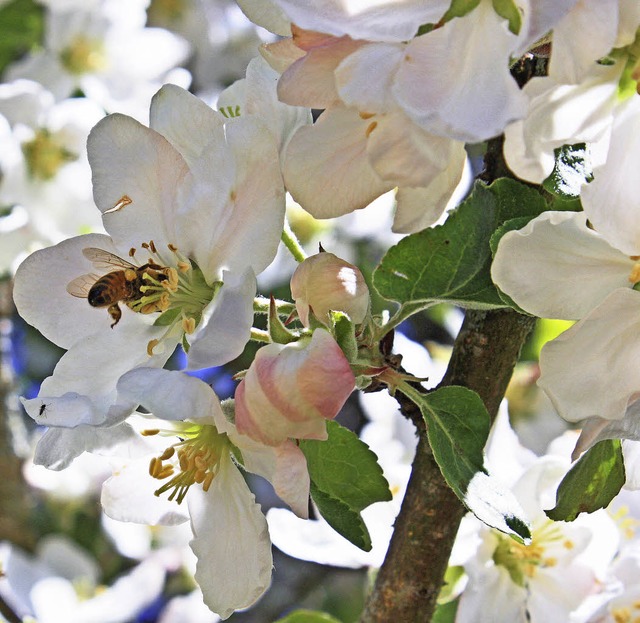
[[291, 389], [324, 283]]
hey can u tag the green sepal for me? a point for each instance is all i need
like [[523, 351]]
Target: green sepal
[[345, 335], [460, 8], [591, 483], [277, 331], [510, 11]]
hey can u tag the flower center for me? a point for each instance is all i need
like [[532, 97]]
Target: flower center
[[194, 459], [180, 293], [83, 56], [523, 561], [45, 155]]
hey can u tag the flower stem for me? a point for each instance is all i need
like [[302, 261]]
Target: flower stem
[[261, 306], [291, 242], [258, 335]]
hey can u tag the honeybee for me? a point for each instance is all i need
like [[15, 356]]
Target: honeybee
[[121, 285]]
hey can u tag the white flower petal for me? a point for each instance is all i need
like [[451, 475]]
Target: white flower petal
[[268, 14], [231, 542], [59, 446], [169, 394], [557, 267], [226, 323], [419, 208], [382, 20], [469, 96], [588, 370], [130, 160], [128, 496], [248, 230], [588, 32], [333, 148], [184, 120], [353, 77], [610, 200], [49, 271]]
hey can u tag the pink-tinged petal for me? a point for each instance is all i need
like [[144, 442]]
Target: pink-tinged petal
[[325, 283], [231, 542], [48, 272], [58, 447], [419, 208], [381, 20], [334, 148], [284, 466], [234, 213], [226, 323], [406, 155], [310, 81], [130, 160], [281, 54], [589, 370], [610, 200], [353, 77], [128, 496], [184, 120], [469, 96], [557, 267], [290, 390], [170, 395]]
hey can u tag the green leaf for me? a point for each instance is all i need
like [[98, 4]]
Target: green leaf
[[571, 171], [21, 28], [345, 335], [308, 616], [451, 263], [510, 11], [343, 519], [460, 8], [345, 478], [344, 467], [591, 483], [457, 427], [445, 613]]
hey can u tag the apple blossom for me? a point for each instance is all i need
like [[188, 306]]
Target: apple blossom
[[323, 283], [291, 389], [559, 267], [44, 165], [520, 582], [181, 200], [363, 140], [230, 536], [104, 49]]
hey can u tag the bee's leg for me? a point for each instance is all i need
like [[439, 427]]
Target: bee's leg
[[116, 313]]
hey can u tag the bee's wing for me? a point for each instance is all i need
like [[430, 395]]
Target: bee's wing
[[81, 285], [103, 260]]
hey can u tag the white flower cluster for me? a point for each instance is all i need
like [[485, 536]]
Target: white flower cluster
[[191, 209]]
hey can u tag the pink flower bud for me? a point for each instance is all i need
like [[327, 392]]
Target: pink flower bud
[[291, 389], [324, 282]]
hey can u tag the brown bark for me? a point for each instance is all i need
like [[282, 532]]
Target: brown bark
[[411, 577]]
